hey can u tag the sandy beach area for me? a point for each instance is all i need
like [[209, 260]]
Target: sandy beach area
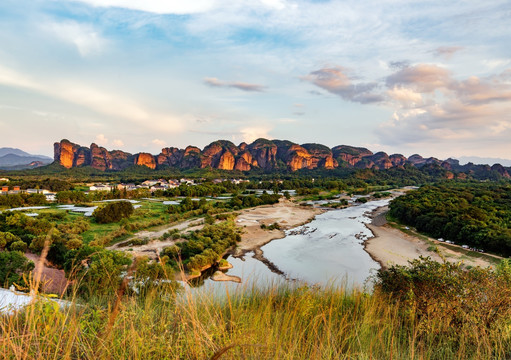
[[390, 246], [286, 213]]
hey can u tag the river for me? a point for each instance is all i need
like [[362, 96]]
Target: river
[[327, 250]]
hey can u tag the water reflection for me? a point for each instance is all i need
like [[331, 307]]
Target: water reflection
[[328, 250]]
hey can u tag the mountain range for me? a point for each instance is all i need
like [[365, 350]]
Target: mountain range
[[16, 159], [261, 154]]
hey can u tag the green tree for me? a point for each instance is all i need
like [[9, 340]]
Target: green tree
[[13, 265], [113, 212]]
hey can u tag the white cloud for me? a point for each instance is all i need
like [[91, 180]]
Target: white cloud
[[159, 142], [406, 97], [214, 82], [118, 143], [84, 37], [107, 103], [157, 6], [275, 4], [101, 140], [251, 134]]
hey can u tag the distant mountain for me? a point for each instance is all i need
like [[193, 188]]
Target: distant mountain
[[268, 156], [11, 158], [7, 150], [481, 160]]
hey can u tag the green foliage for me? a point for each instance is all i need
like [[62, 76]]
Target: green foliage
[[476, 297], [21, 200], [204, 247], [113, 212], [98, 272], [475, 214], [19, 245], [13, 265], [6, 239], [274, 226]]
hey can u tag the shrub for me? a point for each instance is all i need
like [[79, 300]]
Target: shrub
[[113, 212], [13, 265], [450, 295], [18, 246]]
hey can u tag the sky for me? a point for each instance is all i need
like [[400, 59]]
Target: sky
[[427, 77]]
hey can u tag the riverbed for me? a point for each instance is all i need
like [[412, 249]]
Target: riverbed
[[327, 250]]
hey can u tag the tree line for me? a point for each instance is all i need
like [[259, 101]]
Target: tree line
[[475, 214]]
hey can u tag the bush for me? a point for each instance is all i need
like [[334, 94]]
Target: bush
[[6, 238], [18, 246], [450, 295], [113, 212], [13, 265]]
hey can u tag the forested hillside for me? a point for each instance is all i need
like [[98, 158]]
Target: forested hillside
[[475, 214]]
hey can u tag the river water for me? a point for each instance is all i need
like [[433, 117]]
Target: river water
[[328, 250]]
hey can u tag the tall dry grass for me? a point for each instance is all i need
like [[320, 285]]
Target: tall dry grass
[[279, 321]]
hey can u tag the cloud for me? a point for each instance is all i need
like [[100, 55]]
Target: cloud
[[336, 81], [398, 65], [447, 51], [100, 101], [84, 37], [406, 97], [156, 6], [214, 82], [275, 4], [118, 143], [101, 140], [431, 107], [251, 134], [422, 77], [159, 142]]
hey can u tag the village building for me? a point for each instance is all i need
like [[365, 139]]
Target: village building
[[100, 187]]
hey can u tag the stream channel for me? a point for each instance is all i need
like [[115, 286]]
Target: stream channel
[[329, 250]]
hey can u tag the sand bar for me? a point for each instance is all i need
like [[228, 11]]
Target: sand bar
[[286, 213], [391, 246]]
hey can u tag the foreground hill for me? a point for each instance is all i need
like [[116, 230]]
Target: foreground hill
[[262, 154]]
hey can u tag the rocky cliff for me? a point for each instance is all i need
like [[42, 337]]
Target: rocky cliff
[[262, 154]]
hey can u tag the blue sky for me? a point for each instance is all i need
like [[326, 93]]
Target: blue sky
[[428, 77]]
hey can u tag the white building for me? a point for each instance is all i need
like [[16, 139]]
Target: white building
[[100, 187]]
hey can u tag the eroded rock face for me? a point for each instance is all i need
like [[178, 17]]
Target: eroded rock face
[[82, 157], [219, 155], [170, 157], [226, 161], [350, 155], [299, 158], [398, 160], [242, 165], [501, 170], [120, 160], [265, 154], [381, 160], [100, 158], [145, 159], [64, 153], [191, 158], [329, 163]]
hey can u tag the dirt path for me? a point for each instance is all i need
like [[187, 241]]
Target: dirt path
[[154, 247], [53, 280]]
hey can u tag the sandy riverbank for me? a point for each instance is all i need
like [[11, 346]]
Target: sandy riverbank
[[286, 213], [390, 246]]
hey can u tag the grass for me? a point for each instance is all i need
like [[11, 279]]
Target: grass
[[277, 322]]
